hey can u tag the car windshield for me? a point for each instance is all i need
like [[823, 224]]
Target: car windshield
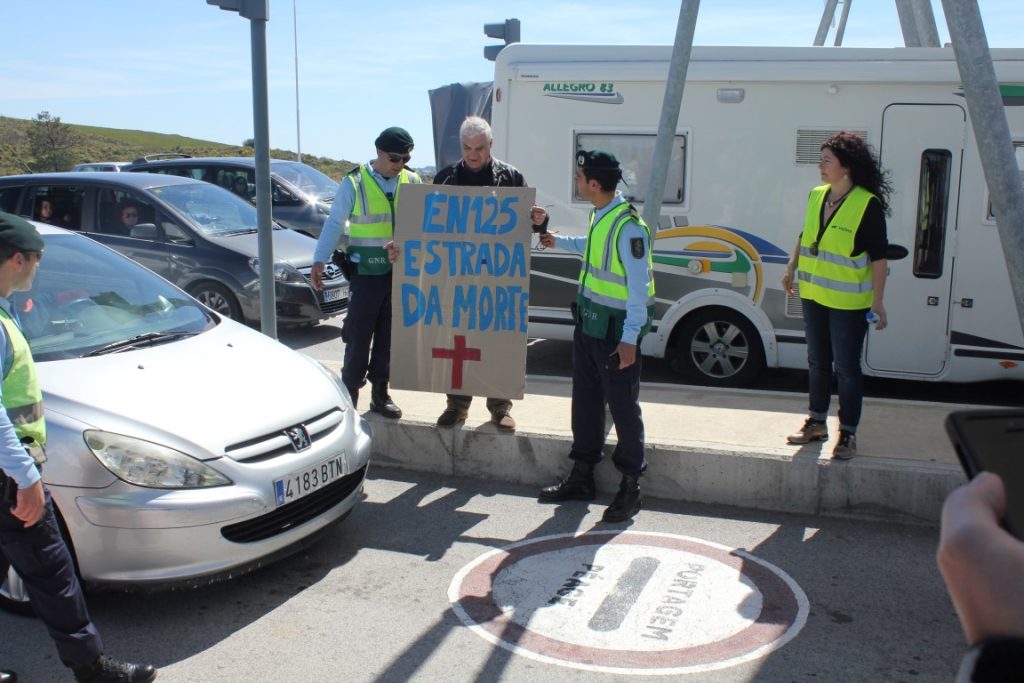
[[86, 296], [306, 178], [212, 210]]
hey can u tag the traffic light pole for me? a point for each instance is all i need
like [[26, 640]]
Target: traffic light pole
[[258, 14]]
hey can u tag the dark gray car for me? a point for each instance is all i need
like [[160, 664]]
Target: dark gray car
[[199, 236], [301, 196]]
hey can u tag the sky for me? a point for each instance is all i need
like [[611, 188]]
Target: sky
[[183, 66]]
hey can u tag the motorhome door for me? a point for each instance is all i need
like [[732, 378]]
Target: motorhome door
[[922, 147]]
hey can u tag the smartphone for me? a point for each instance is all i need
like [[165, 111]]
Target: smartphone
[[993, 441], [612, 362]]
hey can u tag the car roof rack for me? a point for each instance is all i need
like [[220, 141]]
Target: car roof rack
[[163, 155]]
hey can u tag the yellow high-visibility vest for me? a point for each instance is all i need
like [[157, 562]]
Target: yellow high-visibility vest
[[832, 276]]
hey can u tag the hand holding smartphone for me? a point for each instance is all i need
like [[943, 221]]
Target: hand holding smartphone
[[993, 441]]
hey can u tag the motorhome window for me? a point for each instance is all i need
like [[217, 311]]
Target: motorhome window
[[635, 153], [1018, 152], [932, 200]]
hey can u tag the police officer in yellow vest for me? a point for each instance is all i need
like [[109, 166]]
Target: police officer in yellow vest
[[840, 263], [614, 309], [30, 541], [366, 202]]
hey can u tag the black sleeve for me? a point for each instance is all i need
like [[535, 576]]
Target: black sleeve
[[444, 176], [872, 235]]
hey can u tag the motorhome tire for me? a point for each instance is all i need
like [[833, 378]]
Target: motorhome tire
[[718, 347]]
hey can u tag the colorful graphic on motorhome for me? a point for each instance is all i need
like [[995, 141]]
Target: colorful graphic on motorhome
[[727, 255]]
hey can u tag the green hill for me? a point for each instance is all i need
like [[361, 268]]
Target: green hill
[[114, 144]]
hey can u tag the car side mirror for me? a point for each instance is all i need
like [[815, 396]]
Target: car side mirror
[[145, 231]]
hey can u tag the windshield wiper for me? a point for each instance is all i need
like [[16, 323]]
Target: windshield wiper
[[148, 339], [232, 233]]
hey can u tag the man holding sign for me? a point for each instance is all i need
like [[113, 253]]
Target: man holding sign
[[478, 168], [614, 309], [365, 204]]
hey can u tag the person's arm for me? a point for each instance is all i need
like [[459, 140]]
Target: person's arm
[[794, 259], [634, 260], [571, 243], [872, 237], [331, 237], [879, 273]]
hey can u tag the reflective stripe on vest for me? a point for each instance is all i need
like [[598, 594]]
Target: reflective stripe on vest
[[22, 396], [602, 293], [832, 277], [371, 223]]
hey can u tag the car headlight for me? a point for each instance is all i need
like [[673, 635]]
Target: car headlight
[[283, 272], [151, 465]]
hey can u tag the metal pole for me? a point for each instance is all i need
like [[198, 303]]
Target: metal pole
[[908, 22], [261, 126], [670, 110], [826, 19], [992, 133], [298, 134], [927, 33], [841, 29]]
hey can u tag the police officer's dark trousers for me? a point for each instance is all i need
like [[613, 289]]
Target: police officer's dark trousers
[[367, 331], [42, 560], [593, 385]]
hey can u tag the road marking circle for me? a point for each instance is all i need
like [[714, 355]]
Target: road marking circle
[[629, 602]]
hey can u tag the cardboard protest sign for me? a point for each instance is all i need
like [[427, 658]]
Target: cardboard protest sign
[[460, 297]]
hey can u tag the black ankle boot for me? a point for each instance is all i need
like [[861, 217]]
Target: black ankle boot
[[627, 501], [381, 403], [579, 485]]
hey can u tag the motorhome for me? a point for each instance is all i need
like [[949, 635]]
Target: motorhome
[[743, 160]]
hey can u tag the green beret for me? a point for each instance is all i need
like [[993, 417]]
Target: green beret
[[596, 159], [394, 140], [19, 233]]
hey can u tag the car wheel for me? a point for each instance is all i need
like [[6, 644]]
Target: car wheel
[[217, 297], [13, 596], [718, 347]]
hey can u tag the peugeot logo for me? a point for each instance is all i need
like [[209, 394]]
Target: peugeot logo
[[299, 437]]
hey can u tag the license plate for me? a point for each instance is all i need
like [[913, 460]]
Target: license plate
[[305, 481], [335, 294]]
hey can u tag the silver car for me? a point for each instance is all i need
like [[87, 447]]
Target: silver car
[[182, 446]]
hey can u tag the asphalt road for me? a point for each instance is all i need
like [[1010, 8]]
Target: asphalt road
[[554, 358], [370, 602]]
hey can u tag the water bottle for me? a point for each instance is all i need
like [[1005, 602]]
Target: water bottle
[[872, 317]]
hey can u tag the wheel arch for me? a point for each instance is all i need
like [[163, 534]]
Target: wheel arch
[[678, 314]]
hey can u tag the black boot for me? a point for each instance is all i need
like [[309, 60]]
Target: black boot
[[381, 403], [579, 485], [107, 670], [627, 501]]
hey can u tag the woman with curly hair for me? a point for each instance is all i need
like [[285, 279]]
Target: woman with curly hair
[[840, 262]]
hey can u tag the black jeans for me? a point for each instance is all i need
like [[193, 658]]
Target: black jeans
[[367, 331], [593, 385], [835, 338], [41, 558]]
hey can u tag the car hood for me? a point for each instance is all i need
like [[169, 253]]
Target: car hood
[[291, 247], [199, 395]]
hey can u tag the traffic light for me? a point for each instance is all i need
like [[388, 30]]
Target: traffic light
[[507, 31]]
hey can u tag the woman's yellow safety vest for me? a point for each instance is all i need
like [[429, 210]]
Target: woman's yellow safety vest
[[372, 221], [23, 399], [827, 272], [602, 293]]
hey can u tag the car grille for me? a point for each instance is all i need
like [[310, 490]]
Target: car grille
[[293, 514], [275, 444], [332, 275]]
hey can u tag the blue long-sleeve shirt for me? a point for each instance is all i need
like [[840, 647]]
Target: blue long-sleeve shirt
[[637, 279], [14, 459], [334, 235]]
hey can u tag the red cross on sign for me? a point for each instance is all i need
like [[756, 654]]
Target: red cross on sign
[[459, 355]]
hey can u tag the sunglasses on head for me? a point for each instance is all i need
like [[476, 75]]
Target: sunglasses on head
[[395, 158]]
